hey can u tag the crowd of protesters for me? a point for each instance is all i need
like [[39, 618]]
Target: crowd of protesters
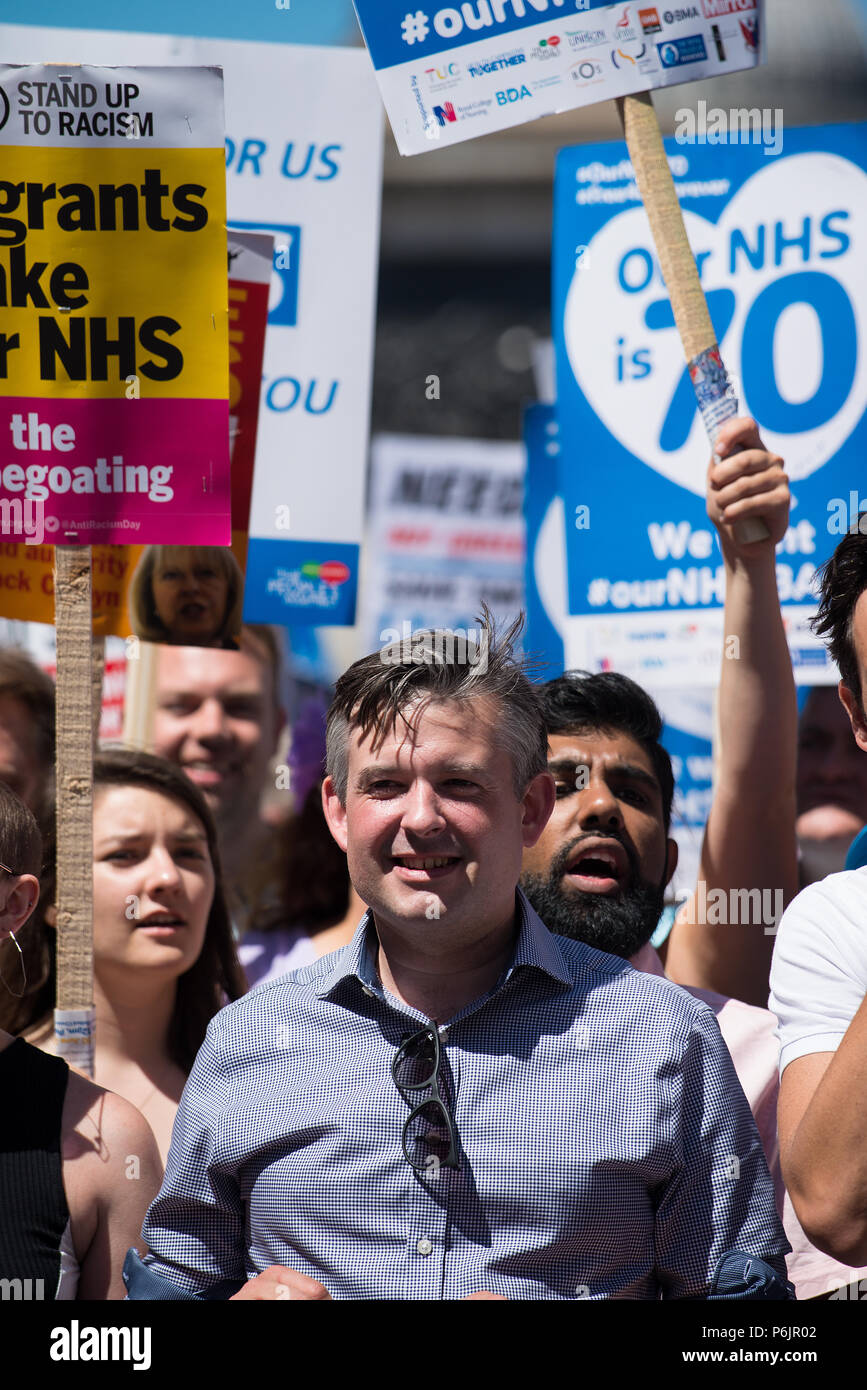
[[439, 1013]]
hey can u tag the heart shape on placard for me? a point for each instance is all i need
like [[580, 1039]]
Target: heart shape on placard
[[788, 295]]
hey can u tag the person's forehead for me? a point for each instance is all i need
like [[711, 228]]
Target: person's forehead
[[206, 672], [126, 810], [603, 748], [435, 729]]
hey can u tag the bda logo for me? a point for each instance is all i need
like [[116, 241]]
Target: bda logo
[[785, 293], [513, 94]]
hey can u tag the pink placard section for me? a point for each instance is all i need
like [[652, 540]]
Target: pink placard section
[[118, 472]]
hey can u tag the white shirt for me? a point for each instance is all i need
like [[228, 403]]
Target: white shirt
[[819, 970]]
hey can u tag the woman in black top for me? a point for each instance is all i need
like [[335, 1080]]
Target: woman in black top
[[68, 1210]]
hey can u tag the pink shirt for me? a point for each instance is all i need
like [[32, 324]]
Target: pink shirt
[[749, 1035]]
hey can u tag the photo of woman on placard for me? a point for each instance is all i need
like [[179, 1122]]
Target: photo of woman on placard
[[187, 596]]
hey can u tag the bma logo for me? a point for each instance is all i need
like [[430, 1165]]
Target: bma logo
[[444, 113], [676, 16], [513, 94]]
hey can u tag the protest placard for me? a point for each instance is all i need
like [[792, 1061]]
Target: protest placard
[[775, 232], [113, 353], [445, 534], [251, 257], [27, 571], [554, 638], [303, 161], [452, 72]]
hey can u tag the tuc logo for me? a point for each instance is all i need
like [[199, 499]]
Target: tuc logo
[[513, 94]]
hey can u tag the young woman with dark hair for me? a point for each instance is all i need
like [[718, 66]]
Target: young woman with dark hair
[[164, 957]]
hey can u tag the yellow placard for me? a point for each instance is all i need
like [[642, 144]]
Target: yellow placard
[[95, 279]]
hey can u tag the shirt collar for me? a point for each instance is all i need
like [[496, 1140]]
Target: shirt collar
[[648, 960], [535, 947]]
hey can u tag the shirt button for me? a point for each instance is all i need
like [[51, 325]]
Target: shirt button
[[424, 1246]]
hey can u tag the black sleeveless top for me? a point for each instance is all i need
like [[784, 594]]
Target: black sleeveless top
[[33, 1208]]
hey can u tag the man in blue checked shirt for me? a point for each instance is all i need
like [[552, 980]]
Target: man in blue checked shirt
[[458, 1104]]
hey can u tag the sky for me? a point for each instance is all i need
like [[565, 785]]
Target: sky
[[304, 21]]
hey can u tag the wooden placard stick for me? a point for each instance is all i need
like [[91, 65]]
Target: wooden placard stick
[[716, 400], [74, 1012]]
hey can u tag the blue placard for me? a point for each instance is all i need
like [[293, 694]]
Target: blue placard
[[287, 267], [542, 514], [776, 218], [300, 583], [687, 713]]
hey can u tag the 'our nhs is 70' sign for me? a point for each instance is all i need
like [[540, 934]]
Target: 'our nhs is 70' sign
[[777, 245]]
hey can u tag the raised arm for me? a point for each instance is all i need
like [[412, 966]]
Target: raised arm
[[749, 842]]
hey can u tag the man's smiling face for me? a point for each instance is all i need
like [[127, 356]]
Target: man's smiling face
[[215, 718], [599, 869], [432, 826]]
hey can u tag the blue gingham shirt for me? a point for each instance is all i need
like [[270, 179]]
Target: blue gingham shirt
[[606, 1147]]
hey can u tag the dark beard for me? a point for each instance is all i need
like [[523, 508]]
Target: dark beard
[[620, 926]]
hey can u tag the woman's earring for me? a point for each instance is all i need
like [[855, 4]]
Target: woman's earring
[[23, 971]]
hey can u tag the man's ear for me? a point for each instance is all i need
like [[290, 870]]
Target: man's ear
[[856, 715], [538, 803], [18, 904], [335, 813], [671, 860]]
